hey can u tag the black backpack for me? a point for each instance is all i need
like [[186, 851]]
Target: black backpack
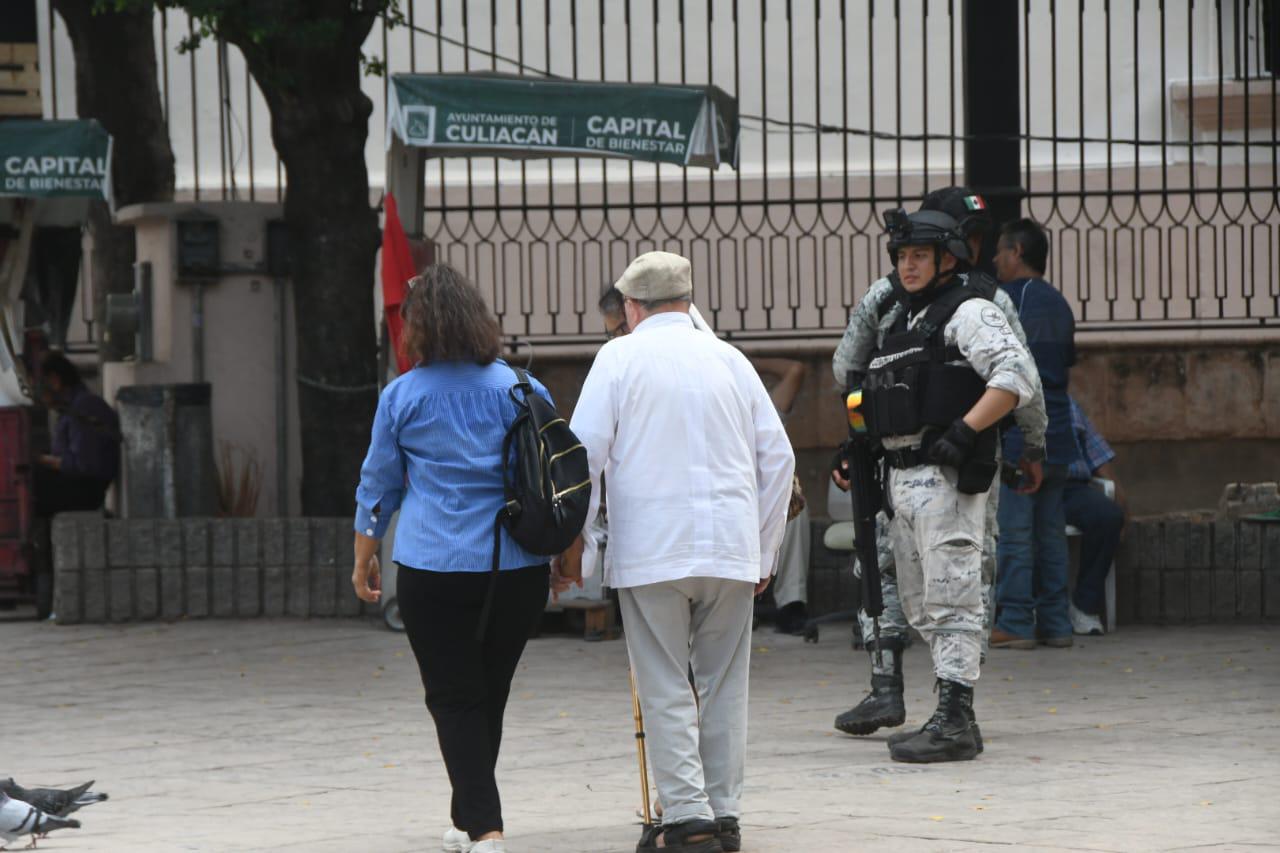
[[545, 505]]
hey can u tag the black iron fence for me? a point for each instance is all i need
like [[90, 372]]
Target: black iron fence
[[1148, 147]]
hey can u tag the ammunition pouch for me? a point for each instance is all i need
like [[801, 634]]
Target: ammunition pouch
[[977, 472], [911, 387]]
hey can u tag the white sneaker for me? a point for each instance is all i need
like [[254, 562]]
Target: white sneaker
[[1084, 623], [456, 841], [493, 845]]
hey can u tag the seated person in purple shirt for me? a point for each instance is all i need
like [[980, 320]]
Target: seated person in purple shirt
[[1099, 519], [85, 455]]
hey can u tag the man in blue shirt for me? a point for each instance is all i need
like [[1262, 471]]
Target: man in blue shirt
[[1031, 587], [85, 455], [1100, 520]]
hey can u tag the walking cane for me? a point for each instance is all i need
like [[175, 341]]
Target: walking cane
[[640, 755]]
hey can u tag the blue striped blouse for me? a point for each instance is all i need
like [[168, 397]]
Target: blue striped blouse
[[434, 455]]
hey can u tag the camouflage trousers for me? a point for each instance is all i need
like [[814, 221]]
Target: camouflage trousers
[[990, 532], [937, 534], [893, 622]]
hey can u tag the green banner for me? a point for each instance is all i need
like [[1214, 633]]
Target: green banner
[[520, 117], [54, 158]]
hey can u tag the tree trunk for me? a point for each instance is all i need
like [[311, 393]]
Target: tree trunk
[[319, 123], [333, 241], [116, 84]]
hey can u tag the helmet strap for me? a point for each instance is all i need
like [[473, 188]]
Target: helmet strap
[[937, 269]]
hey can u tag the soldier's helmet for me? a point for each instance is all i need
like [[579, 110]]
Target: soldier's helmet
[[965, 206], [924, 228]]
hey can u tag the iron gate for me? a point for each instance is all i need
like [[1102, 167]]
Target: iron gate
[[1148, 148]]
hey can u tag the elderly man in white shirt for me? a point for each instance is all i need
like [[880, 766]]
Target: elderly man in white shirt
[[699, 469]]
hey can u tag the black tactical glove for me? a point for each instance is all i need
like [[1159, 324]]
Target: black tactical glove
[[953, 446]]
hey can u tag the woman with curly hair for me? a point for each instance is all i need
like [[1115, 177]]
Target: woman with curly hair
[[436, 455]]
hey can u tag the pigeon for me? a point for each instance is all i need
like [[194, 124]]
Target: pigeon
[[18, 818], [54, 801]]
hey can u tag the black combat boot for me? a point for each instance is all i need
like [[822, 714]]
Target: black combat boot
[[883, 706], [900, 737], [967, 700], [949, 734]]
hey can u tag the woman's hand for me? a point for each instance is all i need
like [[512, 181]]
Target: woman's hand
[[569, 564], [560, 583], [566, 569], [367, 575]]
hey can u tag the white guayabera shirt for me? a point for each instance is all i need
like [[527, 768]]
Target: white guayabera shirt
[[698, 463]]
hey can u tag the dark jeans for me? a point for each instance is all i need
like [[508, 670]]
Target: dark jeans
[[1100, 521], [1031, 585], [467, 682], [57, 492]]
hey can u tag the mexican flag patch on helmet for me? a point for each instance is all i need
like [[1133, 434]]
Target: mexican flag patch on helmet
[[975, 202]]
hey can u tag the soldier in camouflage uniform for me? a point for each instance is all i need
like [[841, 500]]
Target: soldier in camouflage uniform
[[883, 706], [940, 474]]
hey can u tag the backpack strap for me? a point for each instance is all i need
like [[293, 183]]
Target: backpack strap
[[492, 588], [508, 489], [982, 283], [523, 384], [940, 310], [896, 296], [934, 322], [508, 499], [892, 298]]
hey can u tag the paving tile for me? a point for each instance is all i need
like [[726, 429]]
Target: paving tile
[[264, 734]]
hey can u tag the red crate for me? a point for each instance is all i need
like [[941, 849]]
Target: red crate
[[16, 498]]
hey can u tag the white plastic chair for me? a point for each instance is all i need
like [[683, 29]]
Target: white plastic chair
[[839, 535]]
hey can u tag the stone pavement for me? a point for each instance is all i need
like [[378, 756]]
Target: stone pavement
[[312, 736]]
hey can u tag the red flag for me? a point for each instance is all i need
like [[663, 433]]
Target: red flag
[[397, 269]]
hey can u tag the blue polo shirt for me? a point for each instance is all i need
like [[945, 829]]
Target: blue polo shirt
[[436, 455], [1046, 317]]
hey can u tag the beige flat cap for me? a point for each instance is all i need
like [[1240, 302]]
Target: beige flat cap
[[655, 276]]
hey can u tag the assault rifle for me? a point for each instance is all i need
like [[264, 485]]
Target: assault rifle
[[864, 489]]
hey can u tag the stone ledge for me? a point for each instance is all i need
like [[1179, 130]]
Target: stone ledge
[[1193, 568], [137, 570], [1175, 569]]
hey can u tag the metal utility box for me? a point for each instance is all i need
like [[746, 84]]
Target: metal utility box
[[199, 248]]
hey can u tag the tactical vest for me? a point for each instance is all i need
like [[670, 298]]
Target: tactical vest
[[910, 384]]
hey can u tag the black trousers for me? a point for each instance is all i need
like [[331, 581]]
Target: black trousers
[[1101, 520], [57, 492], [467, 682]]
